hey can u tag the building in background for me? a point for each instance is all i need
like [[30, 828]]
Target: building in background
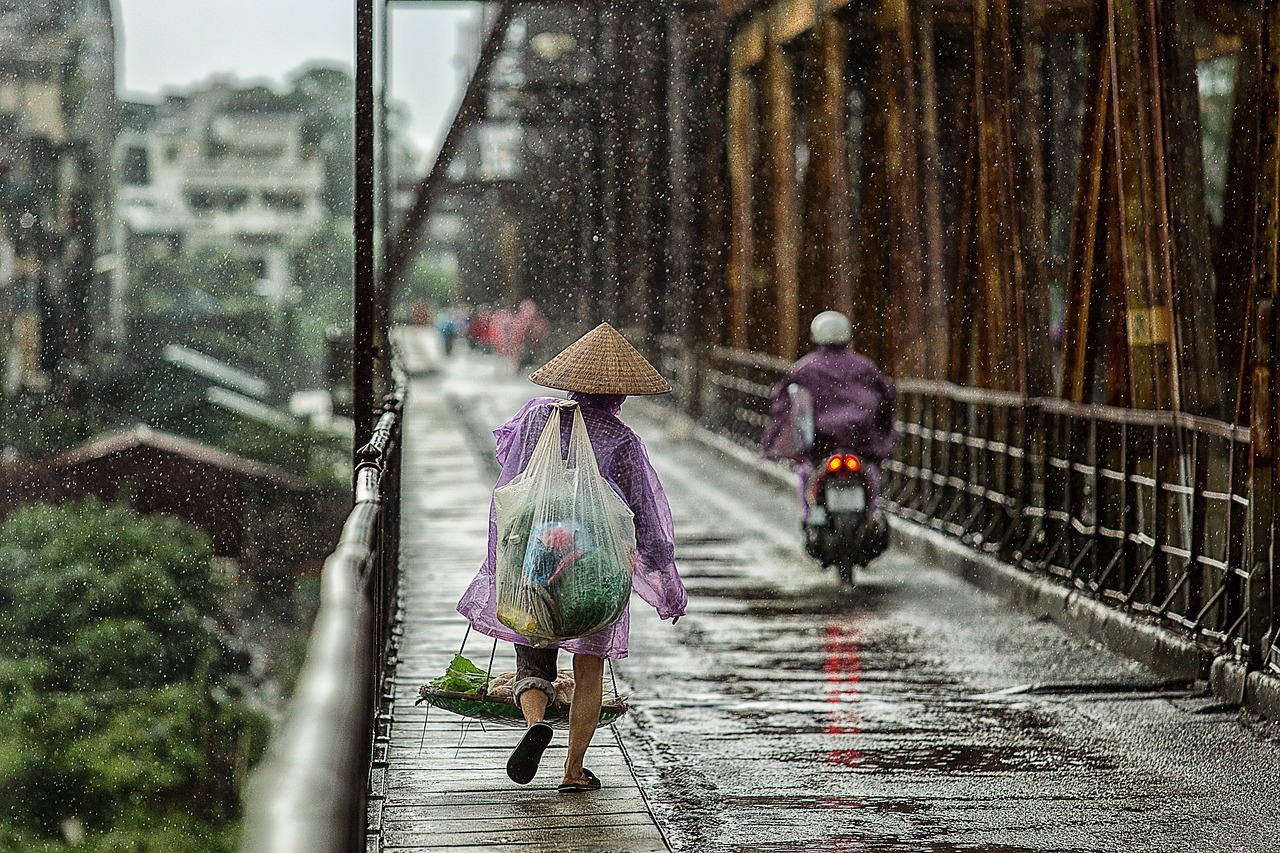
[[220, 167], [58, 120]]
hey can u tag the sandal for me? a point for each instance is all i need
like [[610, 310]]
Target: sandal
[[522, 765], [592, 784]]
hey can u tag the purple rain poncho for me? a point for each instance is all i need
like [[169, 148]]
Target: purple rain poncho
[[852, 405], [624, 463]]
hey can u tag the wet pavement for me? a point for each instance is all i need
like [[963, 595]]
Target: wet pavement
[[787, 713]]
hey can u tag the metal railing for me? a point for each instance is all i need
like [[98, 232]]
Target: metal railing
[[1146, 511], [310, 793], [1143, 510]]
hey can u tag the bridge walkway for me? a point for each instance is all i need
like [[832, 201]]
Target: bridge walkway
[[445, 785]]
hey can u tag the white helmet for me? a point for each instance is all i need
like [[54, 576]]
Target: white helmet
[[830, 328]]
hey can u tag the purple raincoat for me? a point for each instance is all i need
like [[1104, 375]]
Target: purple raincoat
[[852, 410], [852, 405], [624, 463]]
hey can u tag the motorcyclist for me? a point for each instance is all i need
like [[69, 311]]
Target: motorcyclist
[[852, 407]]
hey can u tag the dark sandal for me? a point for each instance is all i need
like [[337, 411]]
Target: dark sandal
[[592, 784], [522, 765]]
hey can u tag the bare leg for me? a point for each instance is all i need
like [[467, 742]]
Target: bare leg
[[584, 713], [533, 703]]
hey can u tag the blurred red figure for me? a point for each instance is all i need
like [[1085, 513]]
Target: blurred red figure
[[420, 314], [519, 334], [482, 332], [530, 327], [505, 340]]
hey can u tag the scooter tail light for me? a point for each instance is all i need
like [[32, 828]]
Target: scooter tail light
[[853, 463], [834, 463]]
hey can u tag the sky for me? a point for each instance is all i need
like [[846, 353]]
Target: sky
[[173, 44]]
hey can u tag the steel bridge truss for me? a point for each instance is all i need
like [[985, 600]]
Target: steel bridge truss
[[966, 178]]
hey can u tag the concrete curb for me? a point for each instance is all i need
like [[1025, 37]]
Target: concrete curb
[[1262, 695], [1235, 684]]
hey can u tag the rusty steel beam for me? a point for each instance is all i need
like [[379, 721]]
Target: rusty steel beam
[[1232, 17], [871, 247], [712, 233], [404, 246], [964, 302], [742, 142], [1083, 339], [937, 286], [1186, 209], [911, 230], [1043, 15], [640, 123], [1235, 260], [608, 157], [778, 75], [1155, 381], [1140, 211], [835, 70], [827, 272], [1005, 292], [1262, 392]]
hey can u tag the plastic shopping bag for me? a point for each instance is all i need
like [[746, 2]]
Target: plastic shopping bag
[[566, 541], [796, 438]]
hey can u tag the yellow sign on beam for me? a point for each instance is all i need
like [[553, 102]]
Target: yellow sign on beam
[[1150, 327]]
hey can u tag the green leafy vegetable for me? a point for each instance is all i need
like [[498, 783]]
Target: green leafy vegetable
[[462, 676]]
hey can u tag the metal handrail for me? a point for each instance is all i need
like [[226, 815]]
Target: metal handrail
[[751, 358], [1085, 411], [310, 793]]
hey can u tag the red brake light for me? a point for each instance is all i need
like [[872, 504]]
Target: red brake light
[[853, 463], [834, 463]]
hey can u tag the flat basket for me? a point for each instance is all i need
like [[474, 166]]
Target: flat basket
[[503, 711]]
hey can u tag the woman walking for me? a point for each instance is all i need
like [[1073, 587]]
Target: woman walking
[[600, 370]]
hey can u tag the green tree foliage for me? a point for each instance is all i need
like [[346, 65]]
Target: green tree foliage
[[323, 270], [322, 458], [33, 430], [207, 299], [112, 717], [107, 599], [429, 281], [326, 97], [208, 276]]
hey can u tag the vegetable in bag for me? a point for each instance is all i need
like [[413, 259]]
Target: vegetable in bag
[[567, 544]]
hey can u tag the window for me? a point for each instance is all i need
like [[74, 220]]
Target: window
[[200, 200], [290, 200], [136, 168]]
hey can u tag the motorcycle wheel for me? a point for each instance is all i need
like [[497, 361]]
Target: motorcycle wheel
[[846, 540]]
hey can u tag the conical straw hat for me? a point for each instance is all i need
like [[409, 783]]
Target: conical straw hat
[[601, 362]]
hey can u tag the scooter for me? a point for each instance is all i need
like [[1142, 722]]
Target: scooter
[[843, 529]]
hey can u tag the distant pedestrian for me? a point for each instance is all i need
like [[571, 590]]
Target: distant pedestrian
[[598, 371], [505, 335], [447, 325], [481, 331], [531, 328]]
